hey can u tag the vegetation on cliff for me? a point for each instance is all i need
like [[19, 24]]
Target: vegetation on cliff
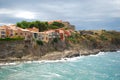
[[11, 39], [100, 39], [41, 25]]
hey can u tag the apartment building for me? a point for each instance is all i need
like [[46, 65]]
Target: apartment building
[[3, 32], [13, 31]]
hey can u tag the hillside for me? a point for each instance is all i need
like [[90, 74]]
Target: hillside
[[80, 43]]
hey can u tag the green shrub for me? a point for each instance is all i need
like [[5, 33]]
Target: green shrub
[[39, 42], [72, 39], [102, 37], [55, 40], [11, 39]]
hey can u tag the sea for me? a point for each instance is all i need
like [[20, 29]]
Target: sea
[[103, 66]]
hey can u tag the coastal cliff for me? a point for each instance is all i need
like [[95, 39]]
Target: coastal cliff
[[80, 43]]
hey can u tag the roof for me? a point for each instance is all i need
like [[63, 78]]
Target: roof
[[25, 30], [34, 29], [4, 27]]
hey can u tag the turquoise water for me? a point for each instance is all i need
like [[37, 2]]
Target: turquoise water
[[103, 66]]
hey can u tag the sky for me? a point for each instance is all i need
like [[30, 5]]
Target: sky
[[84, 14]]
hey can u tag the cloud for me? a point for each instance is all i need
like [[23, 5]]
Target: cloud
[[25, 14], [18, 13], [79, 12], [69, 9]]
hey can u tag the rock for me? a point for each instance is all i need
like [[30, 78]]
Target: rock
[[72, 55], [16, 50]]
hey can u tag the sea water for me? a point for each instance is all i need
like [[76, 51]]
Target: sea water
[[103, 66]]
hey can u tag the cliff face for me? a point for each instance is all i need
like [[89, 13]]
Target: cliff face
[[27, 50]]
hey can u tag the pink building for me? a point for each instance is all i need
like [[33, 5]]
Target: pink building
[[61, 34], [67, 33]]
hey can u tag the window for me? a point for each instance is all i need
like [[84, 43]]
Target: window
[[2, 32], [11, 34], [35, 35], [16, 33], [2, 36]]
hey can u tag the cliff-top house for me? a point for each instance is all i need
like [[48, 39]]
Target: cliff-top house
[[34, 31], [3, 32], [12, 31]]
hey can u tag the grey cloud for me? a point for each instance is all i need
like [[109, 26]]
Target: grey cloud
[[89, 13]]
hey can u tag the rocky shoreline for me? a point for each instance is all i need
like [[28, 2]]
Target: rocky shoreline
[[56, 56]]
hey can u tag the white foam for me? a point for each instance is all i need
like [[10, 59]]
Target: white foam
[[73, 59], [44, 61], [28, 62], [4, 64], [48, 61], [50, 74], [118, 51], [100, 53], [52, 61]]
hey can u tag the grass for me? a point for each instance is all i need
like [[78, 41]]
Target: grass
[[10, 39]]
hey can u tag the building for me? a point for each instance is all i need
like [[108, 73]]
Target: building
[[12, 31], [41, 36], [61, 34], [51, 34], [17, 32], [34, 29], [67, 33], [3, 32], [47, 36], [26, 34], [34, 32]]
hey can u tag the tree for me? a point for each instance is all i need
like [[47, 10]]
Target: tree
[[58, 24], [54, 27], [31, 24], [24, 24], [18, 24], [42, 26]]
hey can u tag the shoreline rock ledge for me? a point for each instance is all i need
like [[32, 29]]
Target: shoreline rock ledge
[[56, 55]]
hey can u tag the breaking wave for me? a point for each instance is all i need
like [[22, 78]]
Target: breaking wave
[[52, 61], [103, 66]]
